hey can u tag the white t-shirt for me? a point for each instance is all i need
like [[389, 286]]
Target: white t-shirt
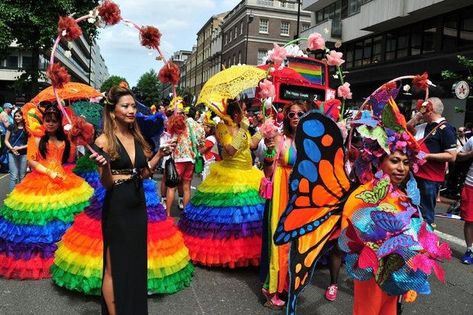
[[468, 147]]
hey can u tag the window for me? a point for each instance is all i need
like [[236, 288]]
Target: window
[[305, 26], [239, 57], [266, 2], [241, 28], [349, 57], [353, 7], [377, 45], [285, 4], [285, 28], [263, 26], [367, 53], [26, 62], [466, 29], [319, 16], [416, 40], [358, 54], [12, 62], [390, 51], [235, 34], [450, 32], [261, 55], [402, 44], [230, 36], [428, 38]]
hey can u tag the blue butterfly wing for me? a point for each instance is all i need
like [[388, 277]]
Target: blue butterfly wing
[[394, 243]]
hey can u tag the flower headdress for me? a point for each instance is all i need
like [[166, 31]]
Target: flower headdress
[[383, 129], [106, 14]]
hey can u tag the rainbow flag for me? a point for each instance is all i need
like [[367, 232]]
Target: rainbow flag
[[310, 71]]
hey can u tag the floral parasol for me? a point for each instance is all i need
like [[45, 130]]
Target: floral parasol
[[228, 84], [70, 91]]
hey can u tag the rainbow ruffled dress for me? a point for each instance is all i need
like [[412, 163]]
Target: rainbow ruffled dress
[[222, 224], [37, 213], [78, 262]]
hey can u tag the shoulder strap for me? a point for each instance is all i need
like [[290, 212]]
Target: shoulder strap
[[443, 122]]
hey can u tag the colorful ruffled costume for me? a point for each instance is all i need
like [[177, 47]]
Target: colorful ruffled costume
[[78, 261], [389, 249], [37, 213], [222, 224]]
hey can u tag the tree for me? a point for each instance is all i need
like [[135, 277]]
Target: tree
[[112, 81], [149, 89], [33, 25]]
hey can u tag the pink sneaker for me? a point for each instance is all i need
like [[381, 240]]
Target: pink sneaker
[[272, 300], [331, 292]]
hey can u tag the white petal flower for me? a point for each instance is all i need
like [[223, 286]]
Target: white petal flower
[[64, 33], [406, 88], [69, 45], [91, 20], [68, 53]]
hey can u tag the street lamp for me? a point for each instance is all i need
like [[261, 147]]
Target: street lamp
[[250, 18]]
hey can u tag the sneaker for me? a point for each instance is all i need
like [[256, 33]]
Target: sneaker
[[180, 203], [331, 292], [467, 259]]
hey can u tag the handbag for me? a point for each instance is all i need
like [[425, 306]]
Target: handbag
[[172, 177], [199, 159], [266, 184], [266, 188]]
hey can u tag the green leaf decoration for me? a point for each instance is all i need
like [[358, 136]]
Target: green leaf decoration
[[386, 207], [377, 134], [388, 265], [368, 197], [378, 193], [389, 119]]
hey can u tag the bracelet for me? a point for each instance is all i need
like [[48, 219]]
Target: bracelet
[[270, 154]]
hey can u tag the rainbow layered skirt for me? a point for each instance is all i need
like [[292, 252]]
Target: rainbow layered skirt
[[78, 262], [34, 217], [222, 224]]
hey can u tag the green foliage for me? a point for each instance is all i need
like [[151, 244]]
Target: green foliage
[[465, 62], [378, 193], [112, 81], [149, 89]]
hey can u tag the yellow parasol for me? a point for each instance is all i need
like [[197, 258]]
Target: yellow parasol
[[227, 84]]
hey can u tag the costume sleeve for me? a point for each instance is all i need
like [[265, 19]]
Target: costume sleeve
[[448, 140], [32, 150], [223, 136]]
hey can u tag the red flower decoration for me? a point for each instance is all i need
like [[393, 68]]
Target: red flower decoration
[[169, 73], [110, 12], [389, 86], [71, 28], [421, 81], [82, 132], [58, 75], [332, 108], [177, 125], [150, 37]]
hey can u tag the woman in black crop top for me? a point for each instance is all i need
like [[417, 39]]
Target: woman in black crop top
[[123, 164]]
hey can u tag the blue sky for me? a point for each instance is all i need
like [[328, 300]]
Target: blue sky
[[177, 20]]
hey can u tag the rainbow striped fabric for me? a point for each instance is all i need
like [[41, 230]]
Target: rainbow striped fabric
[[310, 71]]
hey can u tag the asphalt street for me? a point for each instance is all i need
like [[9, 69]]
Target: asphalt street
[[232, 292]]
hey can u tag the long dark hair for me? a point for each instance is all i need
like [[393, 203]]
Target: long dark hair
[[109, 124], [15, 124], [233, 107], [53, 112]]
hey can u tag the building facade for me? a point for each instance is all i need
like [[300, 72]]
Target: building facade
[[384, 39], [85, 65], [180, 58], [251, 28]]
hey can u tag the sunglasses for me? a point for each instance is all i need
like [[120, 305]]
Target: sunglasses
[[292, 115]]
